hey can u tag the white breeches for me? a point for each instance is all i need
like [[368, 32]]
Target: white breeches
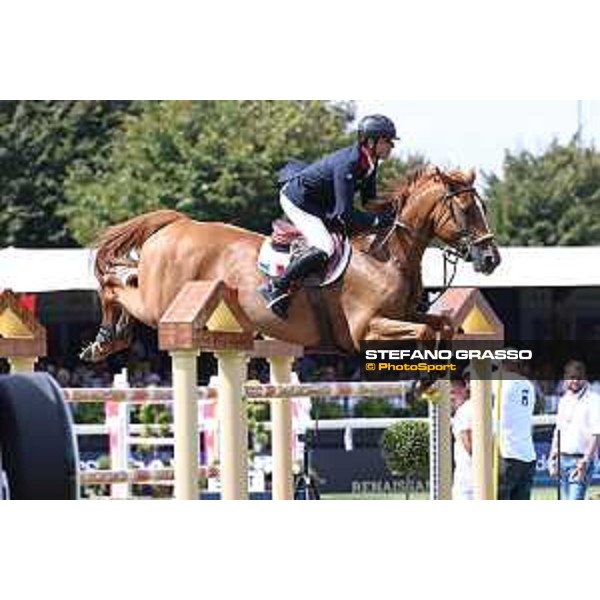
[[312, 227]]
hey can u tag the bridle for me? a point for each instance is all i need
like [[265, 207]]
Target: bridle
[[467, 244], [467, 241]]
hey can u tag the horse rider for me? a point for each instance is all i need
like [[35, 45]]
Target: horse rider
[[319, 198]]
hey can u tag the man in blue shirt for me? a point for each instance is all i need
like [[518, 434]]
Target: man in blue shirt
[[320, 197]]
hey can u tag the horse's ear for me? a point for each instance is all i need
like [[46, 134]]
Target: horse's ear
[[470, 176], [434, 171]]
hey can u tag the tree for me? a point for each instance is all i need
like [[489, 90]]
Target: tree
[[213, 160], [548, 200], [406, 451], [39, 142]]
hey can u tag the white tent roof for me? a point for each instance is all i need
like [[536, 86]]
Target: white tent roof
[[54, 270], [558, 266], [47, 270]]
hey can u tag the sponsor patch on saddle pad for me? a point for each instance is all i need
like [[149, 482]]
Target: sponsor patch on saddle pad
[[270, 261], [273, 263]]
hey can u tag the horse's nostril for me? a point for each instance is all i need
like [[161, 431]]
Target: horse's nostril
[[490, 263]]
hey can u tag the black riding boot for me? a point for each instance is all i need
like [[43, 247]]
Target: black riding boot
[[276, 292]]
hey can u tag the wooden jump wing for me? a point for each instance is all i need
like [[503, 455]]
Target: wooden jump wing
[[471, 314], [20, 333], [205, 315]]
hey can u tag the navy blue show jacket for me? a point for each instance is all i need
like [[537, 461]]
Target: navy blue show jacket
[[327, 187]]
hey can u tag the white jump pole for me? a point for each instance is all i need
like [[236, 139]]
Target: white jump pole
[[233, 420], [117, 419], [481, 397], [185, 424], [281, 431]]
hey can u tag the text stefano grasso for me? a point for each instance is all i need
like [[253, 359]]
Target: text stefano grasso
[[500, 354]]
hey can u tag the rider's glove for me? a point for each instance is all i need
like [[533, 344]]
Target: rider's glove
[[384, 220]]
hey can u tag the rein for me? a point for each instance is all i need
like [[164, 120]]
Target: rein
[[451, 254]]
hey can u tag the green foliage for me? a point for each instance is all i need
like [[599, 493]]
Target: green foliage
[[258, 416], [39, 142], [89, 412], [326, 408], [417, 406], [548, 200], [213, 160], [405, 448], [70, 168], [156, 420], [373, 407]]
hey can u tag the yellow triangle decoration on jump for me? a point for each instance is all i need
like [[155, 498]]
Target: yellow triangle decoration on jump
[[476, 322], [11, 325], [222, 319]]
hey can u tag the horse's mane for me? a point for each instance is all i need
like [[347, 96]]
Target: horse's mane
[[401, 189]]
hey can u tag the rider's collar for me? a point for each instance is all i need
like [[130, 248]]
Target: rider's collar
[[365, 162]]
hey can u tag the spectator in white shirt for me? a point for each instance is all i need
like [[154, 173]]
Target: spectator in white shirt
[[517, 452], [576, 435], [462, 426]]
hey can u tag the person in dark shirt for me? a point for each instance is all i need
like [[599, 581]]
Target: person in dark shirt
[[319, 198]]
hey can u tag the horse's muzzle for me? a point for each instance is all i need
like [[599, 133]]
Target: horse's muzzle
[[486, 257]]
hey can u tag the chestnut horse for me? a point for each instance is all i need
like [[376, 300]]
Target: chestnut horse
[[376, 299]]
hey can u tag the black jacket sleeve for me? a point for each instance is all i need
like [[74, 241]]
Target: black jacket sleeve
[[361, 220]]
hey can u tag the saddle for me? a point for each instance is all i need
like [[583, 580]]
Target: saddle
[[284, 234], [286, 243]]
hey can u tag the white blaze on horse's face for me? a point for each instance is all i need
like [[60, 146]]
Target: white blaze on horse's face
[[477, 241], [460, 220]]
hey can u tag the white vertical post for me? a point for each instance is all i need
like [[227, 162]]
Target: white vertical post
[[185, 423], [301, 421], [281, 431], [434, 455], [481, 396], [117, 419], [233, 419], [445, 441], [212, 449]]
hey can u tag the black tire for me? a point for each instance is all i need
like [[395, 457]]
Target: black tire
[[37, 441]]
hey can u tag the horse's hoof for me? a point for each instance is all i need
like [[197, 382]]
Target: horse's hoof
[[90, 353], [96, 352]]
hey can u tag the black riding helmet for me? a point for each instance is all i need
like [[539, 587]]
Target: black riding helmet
[[375, 127]]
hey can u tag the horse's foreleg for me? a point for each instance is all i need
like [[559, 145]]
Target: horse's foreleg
[[441, 323], [380, 328], [130, 299], [113, 335]]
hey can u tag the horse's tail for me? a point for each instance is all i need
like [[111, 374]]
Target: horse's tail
[[115, 244]]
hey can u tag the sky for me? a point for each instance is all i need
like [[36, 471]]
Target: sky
[[465, 134]]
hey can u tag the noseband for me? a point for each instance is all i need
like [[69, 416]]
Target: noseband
[[466, 239]]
